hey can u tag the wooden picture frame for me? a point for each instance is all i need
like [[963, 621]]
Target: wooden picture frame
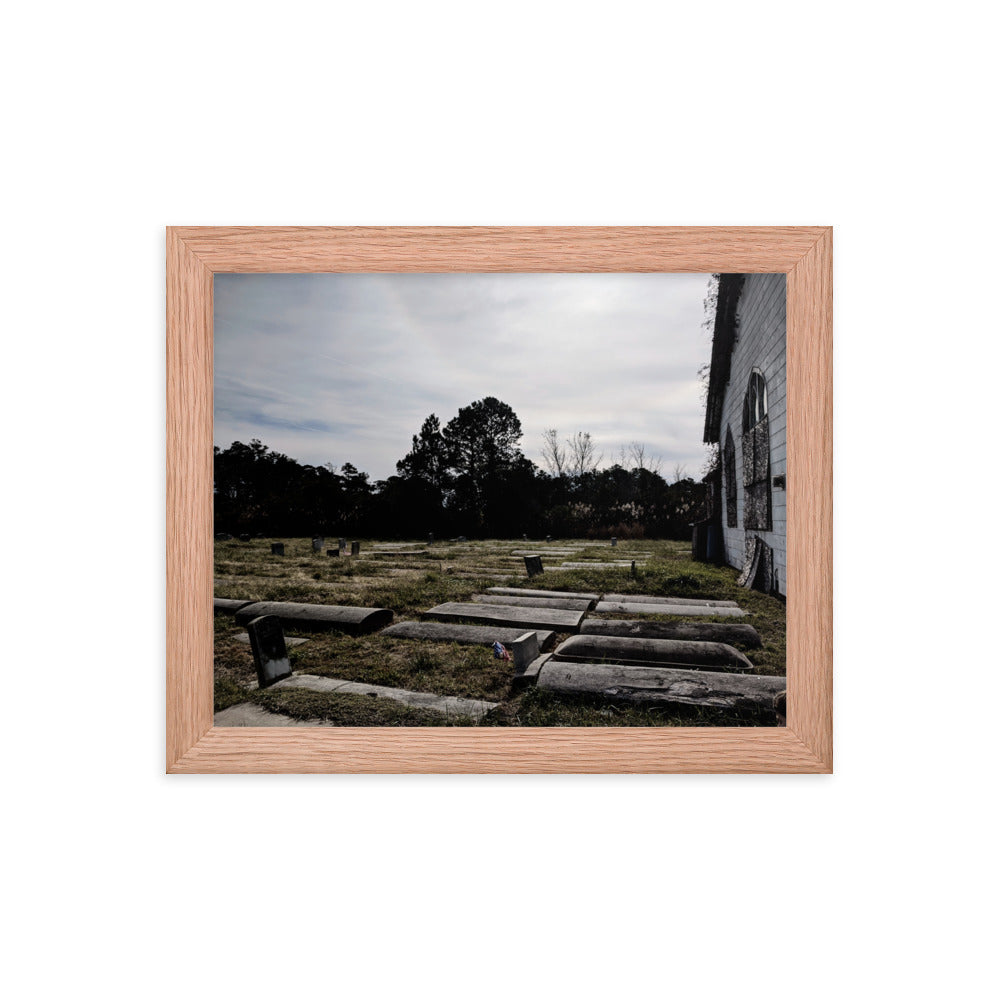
[[195, 254]]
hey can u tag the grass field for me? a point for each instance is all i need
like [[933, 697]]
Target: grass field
[[410, 582]]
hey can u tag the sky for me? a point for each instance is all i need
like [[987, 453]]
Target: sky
[[345, 367]]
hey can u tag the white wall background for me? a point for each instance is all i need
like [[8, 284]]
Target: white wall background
[[121, 882]]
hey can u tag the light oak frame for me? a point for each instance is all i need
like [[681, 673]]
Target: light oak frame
[[195, 254]]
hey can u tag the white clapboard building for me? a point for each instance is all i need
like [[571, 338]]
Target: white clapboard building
[[745, 417]]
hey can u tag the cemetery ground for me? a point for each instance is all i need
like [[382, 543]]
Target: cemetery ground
[[410, 578]]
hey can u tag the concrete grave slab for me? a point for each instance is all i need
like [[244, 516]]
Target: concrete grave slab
[[223, 606], [620, 607], [247, 714], [747, 635], [648, 599], [562, 603], [449, 704], [653, 652], [662, 684], [318, 617], [289, 640], [467, 635], [513, 617], [521, 592], [621, 564]]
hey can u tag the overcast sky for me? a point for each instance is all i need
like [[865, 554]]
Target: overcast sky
[[345, 367]]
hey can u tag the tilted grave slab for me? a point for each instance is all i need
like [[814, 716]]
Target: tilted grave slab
[[747, 635], [521, 592], [595, 564], [562, 603], [621, 607], [653, 652], [467, 635], [649, 599], [318, 617], [508, 615], [663, 684]]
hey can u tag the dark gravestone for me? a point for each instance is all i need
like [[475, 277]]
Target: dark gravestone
[[355, 548], [548, 538], [342, 544], [614, 542], [533, 564], [333, 552], [269, 654], [318, 544], [277, 548], [635, 575], [430, 538], [244, 538], [223, 536]]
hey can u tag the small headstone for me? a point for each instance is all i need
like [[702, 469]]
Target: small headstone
[[223, 536], [277, 548], [342, 544], [533, 564], [244, 538], [548, 538], [355, 548], [318, 544], [462, 538], [524, 538], [430, 538], [525, 650], [333, 552], [614, 542], [269, 653], [635, 575]]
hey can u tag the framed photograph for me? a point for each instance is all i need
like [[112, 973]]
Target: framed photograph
[[499, 500]]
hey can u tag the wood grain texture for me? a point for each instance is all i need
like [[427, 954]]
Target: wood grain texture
[[194, 254]]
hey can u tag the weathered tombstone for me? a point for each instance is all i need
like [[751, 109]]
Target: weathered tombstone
[[318, 544], [430, 537], [533, 564], [342, 544], [614, 542], [635, 575], [524, 538], [333, 552], [277, 548], [269, 653], [244, 538], [548, 538], [524, 650], [223, 536], [355, 548], [462, 538]]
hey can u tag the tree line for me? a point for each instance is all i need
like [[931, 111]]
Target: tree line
[[468, 477]]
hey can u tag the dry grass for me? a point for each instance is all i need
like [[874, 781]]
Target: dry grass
[[411, 582]]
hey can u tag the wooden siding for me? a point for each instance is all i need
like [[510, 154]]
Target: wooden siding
[[760, 343]]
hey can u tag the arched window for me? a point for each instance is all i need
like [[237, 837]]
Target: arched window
[[756, 456], [729, 470]]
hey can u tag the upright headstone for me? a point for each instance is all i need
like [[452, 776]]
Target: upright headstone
[[533, 564], [430, 537], [524, 650], [355, 548], [244, 538], [318, 544], [342, 544], [269, 654], [333, 552], [548, 538], [614, 542], [462, 538], [635, 575], [524, 537], [277, 548]]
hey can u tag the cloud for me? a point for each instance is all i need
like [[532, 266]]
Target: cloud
[[345, 367]]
